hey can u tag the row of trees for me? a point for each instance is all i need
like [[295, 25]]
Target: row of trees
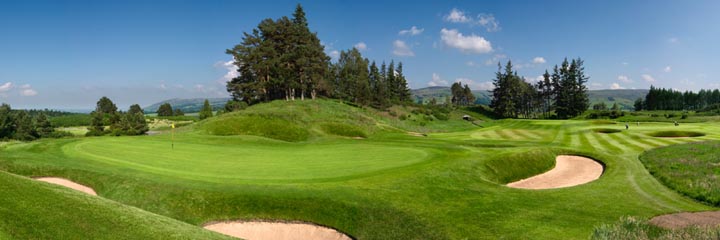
[[563, 92], [20, 125], [166, 110], [669, 99], [131, 122], [460, 95], [283, 59]]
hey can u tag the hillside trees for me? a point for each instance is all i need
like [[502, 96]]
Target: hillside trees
[[461, 95], [165, 110], [563, 91], [669, 99], [206, 110], [283, 59], [7, 123], [131, 122], [43, 127]]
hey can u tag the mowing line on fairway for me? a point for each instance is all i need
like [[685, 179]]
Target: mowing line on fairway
[[645, 140], [575, 139], [604, 143], [623, 137], [626, 146], [584, 141], [524, 134]]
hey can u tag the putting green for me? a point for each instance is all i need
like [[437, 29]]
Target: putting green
[[223, 162]]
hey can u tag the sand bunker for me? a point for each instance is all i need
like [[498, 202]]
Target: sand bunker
[[686, 219], [417, 134], [258, 230], [68, 184], [569, 171]]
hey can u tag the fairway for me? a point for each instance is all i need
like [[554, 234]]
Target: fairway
[[238, 162]]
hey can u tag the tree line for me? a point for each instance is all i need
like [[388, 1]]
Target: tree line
[[283, 59], [561, 95], [131, 122], [669, 99], [21, 125], [166, 110]]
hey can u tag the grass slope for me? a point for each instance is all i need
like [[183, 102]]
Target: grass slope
[[388, 186], [36, 210], [691, 169]]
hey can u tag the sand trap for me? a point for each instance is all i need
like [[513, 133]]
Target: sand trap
[[68, 184], [258, 230], [686, 219], [416, 134], [569, 171]]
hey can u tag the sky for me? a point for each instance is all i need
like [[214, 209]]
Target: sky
[[67, 54]]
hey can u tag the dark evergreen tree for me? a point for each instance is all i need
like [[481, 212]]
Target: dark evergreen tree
[[165, 110], [97, 125], [105, 105], [24, 128], [7, 122], [43, 127], [135, 108], [206, 110], [178, 112]]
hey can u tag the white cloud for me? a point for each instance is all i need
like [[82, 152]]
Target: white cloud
[[28, 92], [466, 44], [538, 60], [402, 49], [334, 54], [5, 87], [616, 86], [361, 46], [412, 31], [488, 21], [673, 40], [457, 16], [667, 69], [625, 63], [495, 59], [648, 78], [624, 79], [475, 85], [231, 71], [437, 81]]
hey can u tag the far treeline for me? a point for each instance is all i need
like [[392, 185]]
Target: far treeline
[[166, 110], [283, 59], [669, 99], [23, 126], [562, 92]]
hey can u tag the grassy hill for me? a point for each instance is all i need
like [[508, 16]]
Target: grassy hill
[[37, 210], [188, 105]]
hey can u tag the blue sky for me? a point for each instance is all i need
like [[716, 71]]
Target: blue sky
[[67, 54]]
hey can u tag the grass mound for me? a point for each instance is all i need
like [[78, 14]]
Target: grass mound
[[342, 129], [294, 121], [512, 167], [690, 169], [606, 130], [35, 210], [677, 134], [258, 125], [631, 228]]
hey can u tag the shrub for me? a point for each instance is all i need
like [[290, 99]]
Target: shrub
[[60, 134], [403, 117]]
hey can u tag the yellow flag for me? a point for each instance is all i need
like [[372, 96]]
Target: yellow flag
[[172, 125]]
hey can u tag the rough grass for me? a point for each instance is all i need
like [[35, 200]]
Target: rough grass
[[258, 125], [516, 166], [36, 210], [342, 129], [630, 228], [676, 134], [690, 169], [606, 130]]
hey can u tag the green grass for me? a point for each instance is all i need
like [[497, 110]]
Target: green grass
[[342, 129], [390, 185], [36, 210], [677, 134], [629, 228], [691, 169]]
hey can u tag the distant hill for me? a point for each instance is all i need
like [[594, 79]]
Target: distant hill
[[623, 97], [188, 105], [424, 95]]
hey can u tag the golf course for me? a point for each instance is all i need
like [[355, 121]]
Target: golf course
[[391, 184]]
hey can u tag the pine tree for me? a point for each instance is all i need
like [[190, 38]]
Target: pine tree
[[165, 110], [43, 127], [206, 110], [24, 128], [97, 126], [7, 122], [135, 108]]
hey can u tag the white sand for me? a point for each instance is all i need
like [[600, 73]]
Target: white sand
[[68, 184], [258, 230], [569, 171]]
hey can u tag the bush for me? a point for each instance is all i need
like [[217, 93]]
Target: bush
[[403, 117], [342, 129]]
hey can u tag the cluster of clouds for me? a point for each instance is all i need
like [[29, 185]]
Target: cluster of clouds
[[24, 90], [485, 20], [439, 81]]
